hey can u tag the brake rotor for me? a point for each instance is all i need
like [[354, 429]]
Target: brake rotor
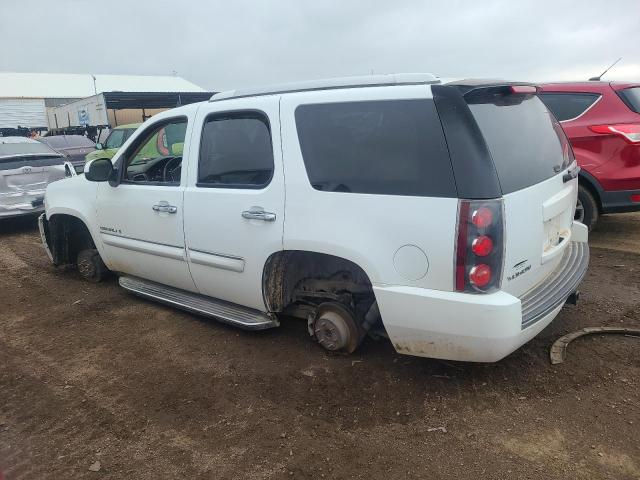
[[335, 328]]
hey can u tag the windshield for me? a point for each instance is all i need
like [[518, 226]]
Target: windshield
[[526, 142], [117, 137]]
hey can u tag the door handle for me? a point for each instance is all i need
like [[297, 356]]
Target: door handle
[[165, 208], [258, 213]]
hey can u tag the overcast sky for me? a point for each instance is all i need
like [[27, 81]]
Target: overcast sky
[[227, 44]]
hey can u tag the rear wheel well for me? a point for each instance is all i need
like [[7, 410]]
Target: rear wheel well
[[588, 184], [295, 282], [67, 236]]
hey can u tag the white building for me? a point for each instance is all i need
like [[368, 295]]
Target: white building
[[25, 97]]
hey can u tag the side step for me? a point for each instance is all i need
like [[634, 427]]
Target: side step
[[243, 317]]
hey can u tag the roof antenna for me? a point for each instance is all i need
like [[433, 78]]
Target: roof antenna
[[597, 79]]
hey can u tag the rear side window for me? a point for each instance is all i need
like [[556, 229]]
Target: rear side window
[[392, 147], [566, 106], [236, 151], [631, 96], [526, 143]]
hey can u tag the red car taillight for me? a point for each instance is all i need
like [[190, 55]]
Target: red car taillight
[[629, 131], [479, 246]]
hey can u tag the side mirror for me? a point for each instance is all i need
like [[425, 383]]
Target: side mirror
[[99, 170], [99, 146]]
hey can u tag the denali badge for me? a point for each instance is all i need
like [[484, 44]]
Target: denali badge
[[110, 230], [522, 270]]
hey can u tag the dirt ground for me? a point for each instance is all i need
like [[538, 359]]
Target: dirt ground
[[89, 373]]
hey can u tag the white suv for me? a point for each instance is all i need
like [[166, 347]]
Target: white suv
[[439, 213]]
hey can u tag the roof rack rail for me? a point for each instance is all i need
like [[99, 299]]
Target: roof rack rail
[[331, 83]]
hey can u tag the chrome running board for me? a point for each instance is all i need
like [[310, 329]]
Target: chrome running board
[[225, 312]]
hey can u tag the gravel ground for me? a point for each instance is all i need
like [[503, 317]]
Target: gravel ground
[[92, 378]]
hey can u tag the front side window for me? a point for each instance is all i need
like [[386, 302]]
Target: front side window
[[156, 156], [567, 106], [389, 147], [235, 151]]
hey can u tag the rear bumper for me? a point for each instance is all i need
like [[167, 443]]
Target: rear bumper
[[619, 201], [477, 328], [22, 208]]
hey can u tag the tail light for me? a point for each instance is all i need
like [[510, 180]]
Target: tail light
[[479, 246], [629, 131]]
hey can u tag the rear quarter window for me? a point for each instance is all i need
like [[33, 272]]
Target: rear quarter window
[[567, 106], [526, 143], [631, 97], [392, 147]]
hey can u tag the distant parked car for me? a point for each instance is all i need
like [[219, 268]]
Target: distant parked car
[[26, 168], [74, 147], [117, 137], [602, 121]]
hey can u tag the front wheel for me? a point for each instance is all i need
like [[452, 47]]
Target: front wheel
[[587, 208], [90, 266]]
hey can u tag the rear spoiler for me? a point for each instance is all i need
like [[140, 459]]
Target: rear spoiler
[[469, 85]]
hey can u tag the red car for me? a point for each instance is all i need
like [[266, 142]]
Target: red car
[[602, 121]]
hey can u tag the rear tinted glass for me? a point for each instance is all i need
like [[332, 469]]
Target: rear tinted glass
[[236, 151], [379, 147], [526, 143], [631, 96], [68, 141], [566, 106], [25, 148]]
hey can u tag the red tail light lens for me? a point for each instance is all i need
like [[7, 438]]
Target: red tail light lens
[[480, 275], [482, 245], [479, 246], [482, 217], [629, 131]]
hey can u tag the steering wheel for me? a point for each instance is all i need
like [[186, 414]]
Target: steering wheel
[[167, 172]]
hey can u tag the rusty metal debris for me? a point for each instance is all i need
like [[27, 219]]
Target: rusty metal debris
[[559, 348]]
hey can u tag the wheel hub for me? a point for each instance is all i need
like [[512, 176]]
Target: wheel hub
[[331, 331], [335, 328], [86, 268]]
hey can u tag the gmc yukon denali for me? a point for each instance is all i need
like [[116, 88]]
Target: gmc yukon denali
[[439, 213]]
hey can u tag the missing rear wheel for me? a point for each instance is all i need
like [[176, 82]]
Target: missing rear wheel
[[335, 328]]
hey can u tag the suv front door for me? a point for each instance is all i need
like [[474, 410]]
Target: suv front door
[[141, 219], [234, 199]]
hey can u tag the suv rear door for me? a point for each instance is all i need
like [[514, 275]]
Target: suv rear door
[[234, 199]]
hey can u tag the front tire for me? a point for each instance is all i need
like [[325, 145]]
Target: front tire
[[90, 266], [587, 208]]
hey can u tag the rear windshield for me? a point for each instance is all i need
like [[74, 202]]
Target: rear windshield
[[67, 141], [25, 148], [631, 96], [390, 147], [526, 143]]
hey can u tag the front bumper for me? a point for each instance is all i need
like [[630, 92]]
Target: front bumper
[[477, 328]]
